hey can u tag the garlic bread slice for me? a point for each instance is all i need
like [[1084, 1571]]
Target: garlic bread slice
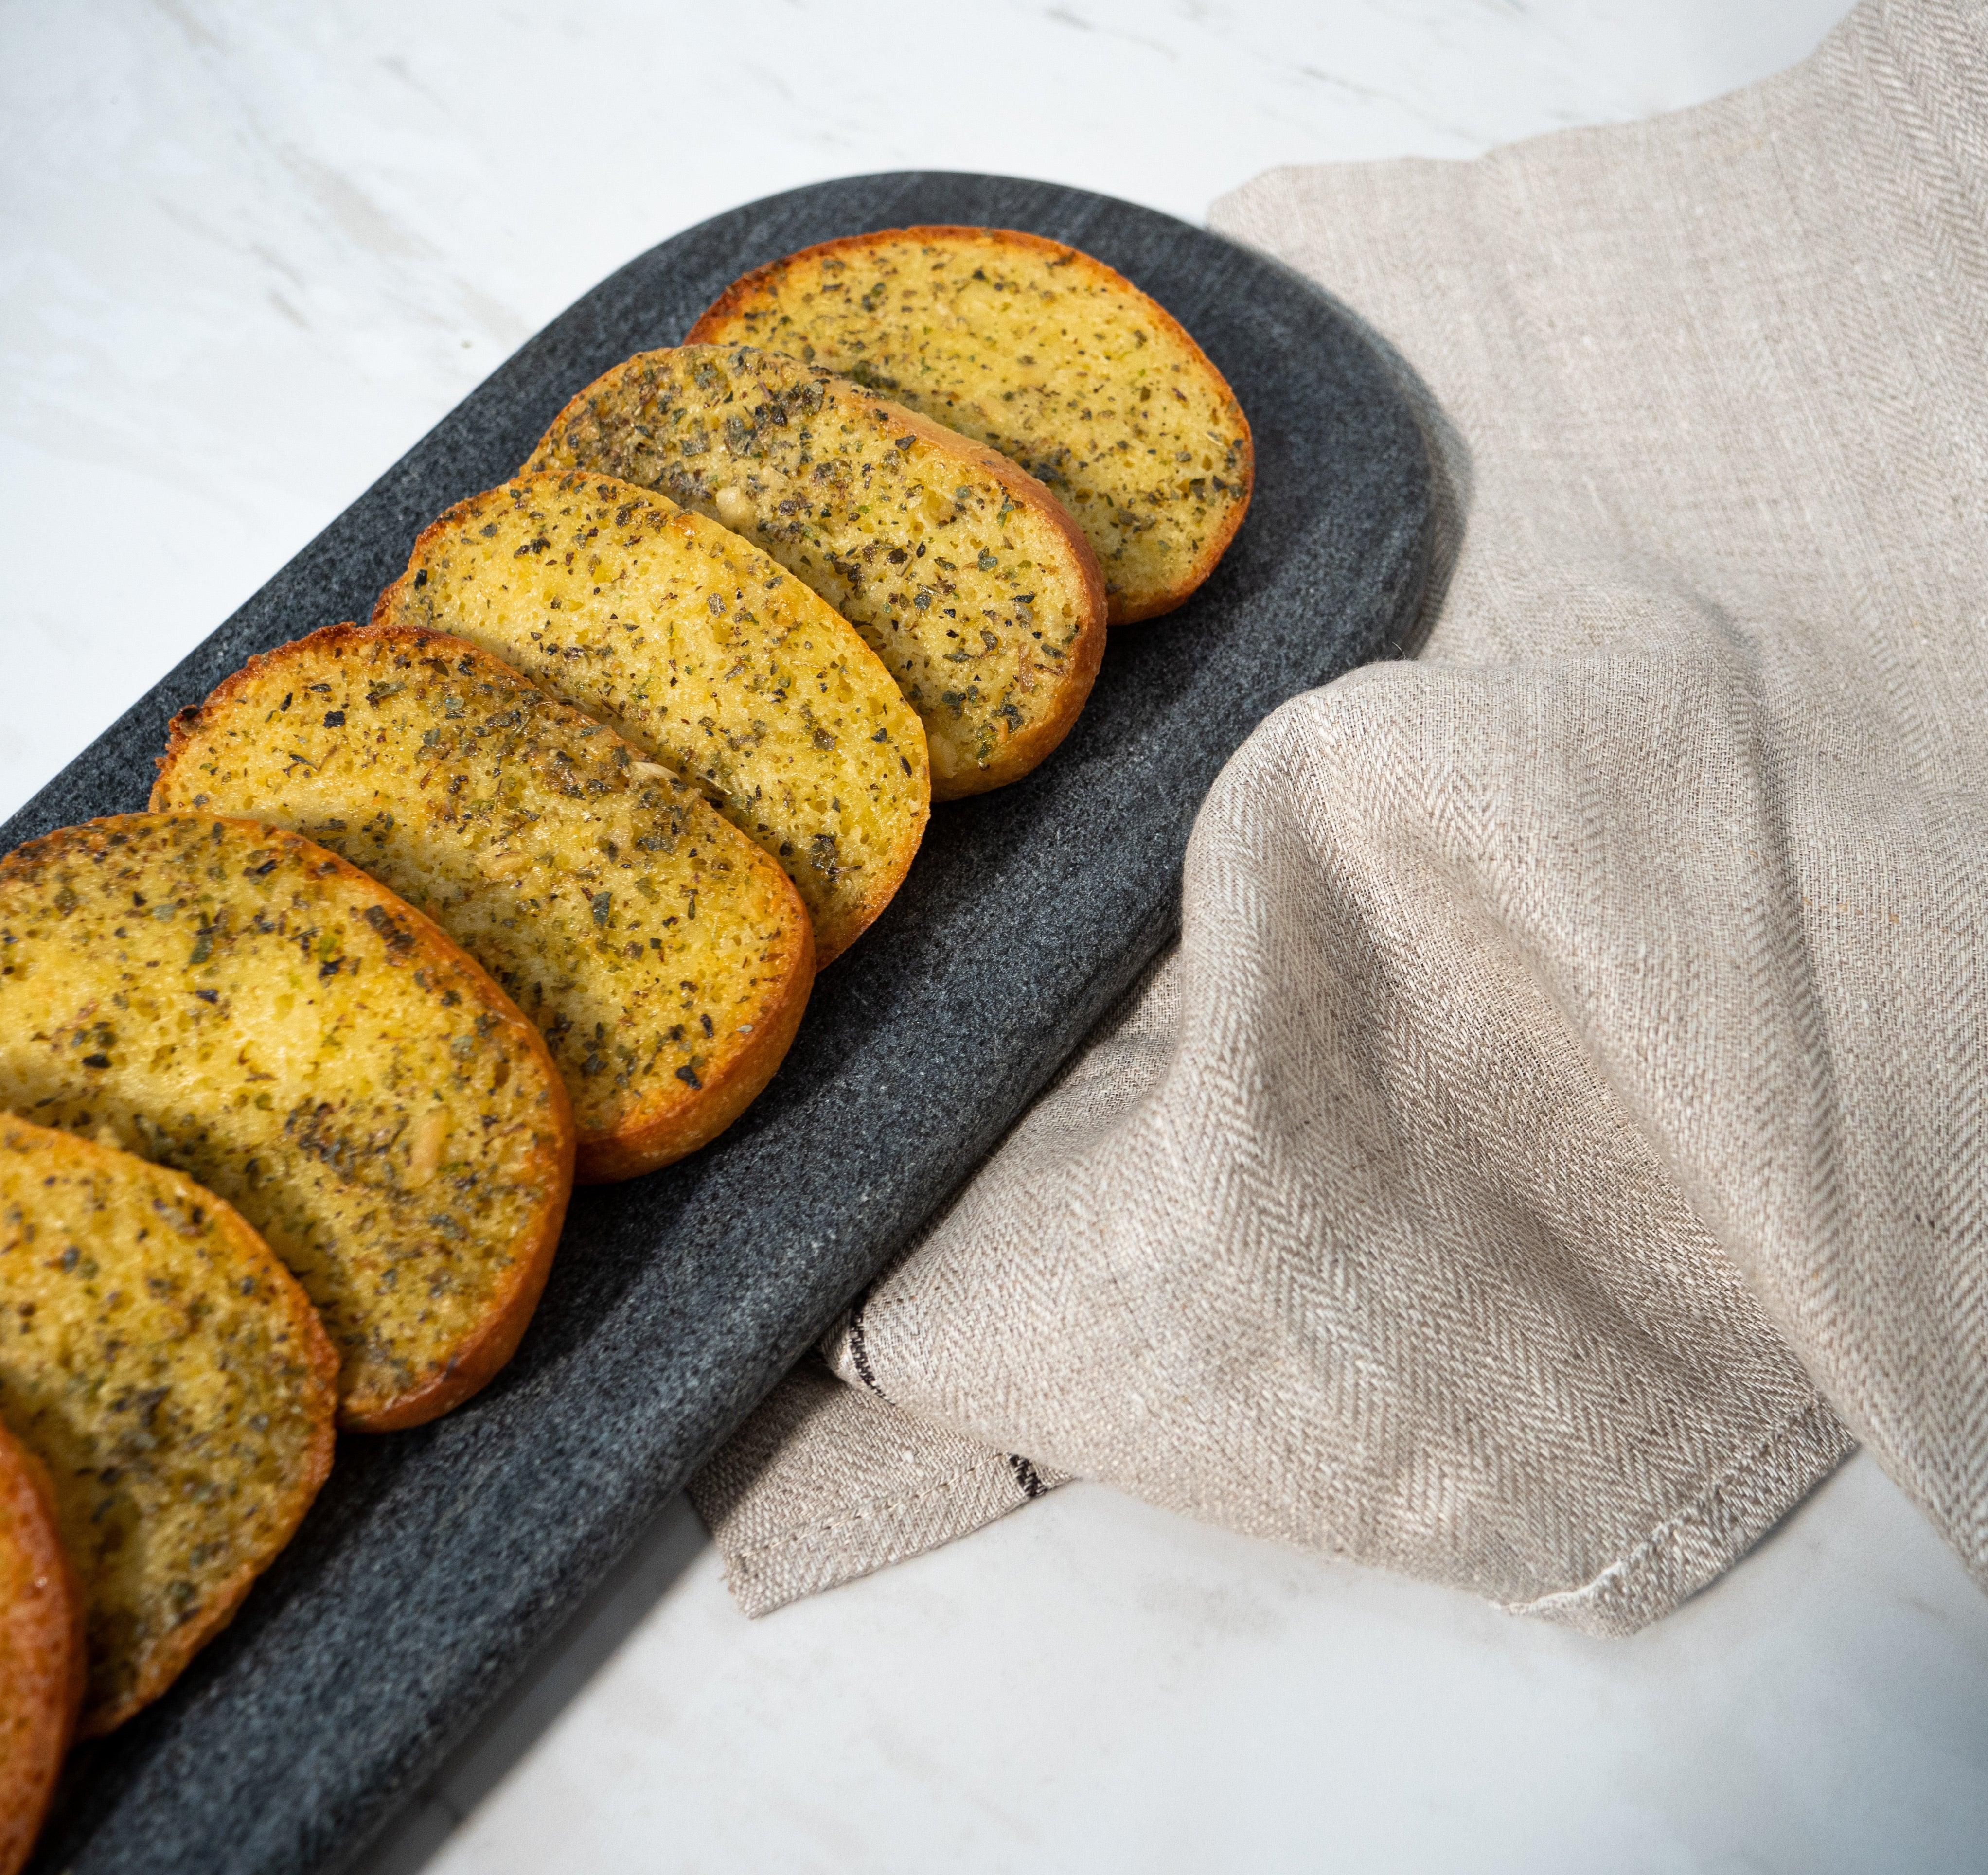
[[41, 1649], [665, 958], [173, 1380], [703, 653], [224, 998], [963, 574], [1042, 352]]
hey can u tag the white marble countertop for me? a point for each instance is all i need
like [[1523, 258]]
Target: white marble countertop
[[252, 253]]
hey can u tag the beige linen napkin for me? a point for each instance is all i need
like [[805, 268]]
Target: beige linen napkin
[[1565, 1113]]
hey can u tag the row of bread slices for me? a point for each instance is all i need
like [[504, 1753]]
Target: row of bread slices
[[530, 876]]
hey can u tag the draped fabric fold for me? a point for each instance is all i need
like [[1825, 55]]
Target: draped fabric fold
[[1561, 1127]]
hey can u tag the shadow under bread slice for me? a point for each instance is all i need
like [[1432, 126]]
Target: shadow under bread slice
[[41, 1647], [1038, 351], [226, 998], [664, 956], [701, 651], [174, 1380], [963, 574]]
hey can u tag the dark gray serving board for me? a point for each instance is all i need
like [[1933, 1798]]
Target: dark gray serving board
[[436, 1560]]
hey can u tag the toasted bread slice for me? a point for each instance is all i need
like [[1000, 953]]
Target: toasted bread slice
[[229, 999], [978, 592], [700, 651], [173, 1379], [1042, 352], [665, 958], [41, 1647]]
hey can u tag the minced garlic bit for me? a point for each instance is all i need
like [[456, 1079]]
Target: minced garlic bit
[[430, 1131]]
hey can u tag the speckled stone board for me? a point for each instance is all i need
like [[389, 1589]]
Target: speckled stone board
[[436, 1560]]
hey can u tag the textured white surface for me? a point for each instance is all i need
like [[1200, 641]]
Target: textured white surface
[[250, 252], [248, 255], [1092, 1684]]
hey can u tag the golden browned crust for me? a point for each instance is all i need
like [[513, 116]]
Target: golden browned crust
[[873, 902], [520, 731], [400, 603], [41, 1650], [479, 1360], [418, 944], [668, 1136], [720, 324], [1017, 752]]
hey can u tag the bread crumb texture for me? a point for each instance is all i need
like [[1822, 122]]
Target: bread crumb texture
[[704, 654], [41, 1650], [229, 1000], [1044, 354], [971, 584], [663, 955], [174, 1381]]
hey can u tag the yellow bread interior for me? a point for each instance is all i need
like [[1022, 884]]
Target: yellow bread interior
[[227, 999], [174, 1382], [664, 956], [964, 576], [704, 654], [1038, 351]]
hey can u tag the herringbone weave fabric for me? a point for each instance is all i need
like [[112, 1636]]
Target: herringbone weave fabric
[[1565, 1113]]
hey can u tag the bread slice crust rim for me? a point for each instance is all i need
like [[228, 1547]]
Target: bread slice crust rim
[[651, 1140], [711, 326], [36, 1762], [667, 1137]]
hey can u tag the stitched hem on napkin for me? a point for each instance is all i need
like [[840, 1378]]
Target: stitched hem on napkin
[[1692, 1549], [826, 1483]]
